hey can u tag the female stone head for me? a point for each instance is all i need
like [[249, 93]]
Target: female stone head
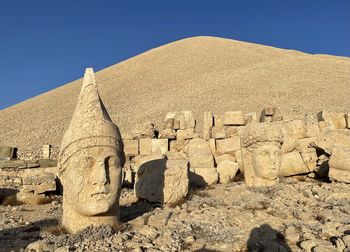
[[261, 144]]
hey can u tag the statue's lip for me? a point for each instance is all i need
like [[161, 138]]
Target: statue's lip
[[100, 193]]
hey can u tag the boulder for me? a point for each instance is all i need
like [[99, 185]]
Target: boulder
[[163, 181], [292, 164], [199, 153], [203, 176], [228, 145], [339, 164], [227, 170]]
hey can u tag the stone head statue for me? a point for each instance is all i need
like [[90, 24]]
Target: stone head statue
[[90, 163], [261, 151]]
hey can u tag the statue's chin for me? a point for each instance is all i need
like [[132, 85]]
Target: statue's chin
[[95, 209]]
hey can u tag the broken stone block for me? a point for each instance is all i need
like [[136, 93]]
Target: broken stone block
[[294, 129], [212, 145], [234, 118], [218, 132], [161, 144], [339, 164], [186, 119], [169, 123], [164, 181], [203, 176], [292, 164], [228, 145], [239, 160], [309, 156], [145, 146], [175, 155], [7, 152], [333, 120], [144, 130], [251, 118], [277, 115], [231, 131], [131, 147], [330, 138], [178, 145], [167, 134], [221, 158], [208, 123], [311, 126], [227, 170], [47, 163], [185, 134], [199, 153]]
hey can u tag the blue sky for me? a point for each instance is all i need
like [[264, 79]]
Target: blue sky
[[45, 44]]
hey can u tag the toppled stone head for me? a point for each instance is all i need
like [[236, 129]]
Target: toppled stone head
[[261, 150], [90, 163]]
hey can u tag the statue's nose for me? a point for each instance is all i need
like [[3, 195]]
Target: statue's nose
[[99, 175]]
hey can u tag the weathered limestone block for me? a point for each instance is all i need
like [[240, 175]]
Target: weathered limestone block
[[7, 152], [309, 156], [90, 163], [199, 153], [292, 164], [251, 118], [333, 120], [227, 170], [167, 134], [131, 147], [339, 164], [186, 119], [178, 145], [153, 156], [160, 144], [293, 129], [47, 163], [219, 159], [231, 131], [228, 145], [332, 137], [212, 145], [218, 132], [261, 152], [169, 123], [266, 115], [128, 175], [143, 130], [218, 120], [311, 126], [347, 120], [203, 176], [235, 118], [145, 146], [46, 149], [208, 123], [175, 155], [185, 134], [164, 181]]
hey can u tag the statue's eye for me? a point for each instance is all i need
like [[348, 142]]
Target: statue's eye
[[112, 161]]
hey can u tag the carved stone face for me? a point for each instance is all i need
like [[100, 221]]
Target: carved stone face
[[92, 180], [266, 161]]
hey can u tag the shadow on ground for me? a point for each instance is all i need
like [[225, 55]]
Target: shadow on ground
[[14, 239]]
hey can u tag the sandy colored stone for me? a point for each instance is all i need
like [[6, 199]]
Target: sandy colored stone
[[330, 138], [261, 152], [186, 119], [199, 153], [339, 164], [227, 170], [184, 134], [251, 118], [178, 145], [295, 129], [228, 145], [203, 176], [292, 164], [208, 123], [145, 146], [311, 125], [131, 147], [167, 134], [160, 144], [333, 120], [218, 132], [235, 118], [221, 158], [90, 163]]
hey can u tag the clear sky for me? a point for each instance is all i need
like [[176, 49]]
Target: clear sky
[[45, 43]]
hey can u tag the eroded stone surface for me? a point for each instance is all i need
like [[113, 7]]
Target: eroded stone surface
[[90, 163]]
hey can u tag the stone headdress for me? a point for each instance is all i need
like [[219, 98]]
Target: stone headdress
[[90, 125], [255, 133]]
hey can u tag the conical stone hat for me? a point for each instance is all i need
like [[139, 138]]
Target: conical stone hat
[[90, 125]]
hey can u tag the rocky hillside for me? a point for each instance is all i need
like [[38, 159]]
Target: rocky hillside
[[198, 74]]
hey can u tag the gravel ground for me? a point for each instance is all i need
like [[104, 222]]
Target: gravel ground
[[198, 74], [222, 218]]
